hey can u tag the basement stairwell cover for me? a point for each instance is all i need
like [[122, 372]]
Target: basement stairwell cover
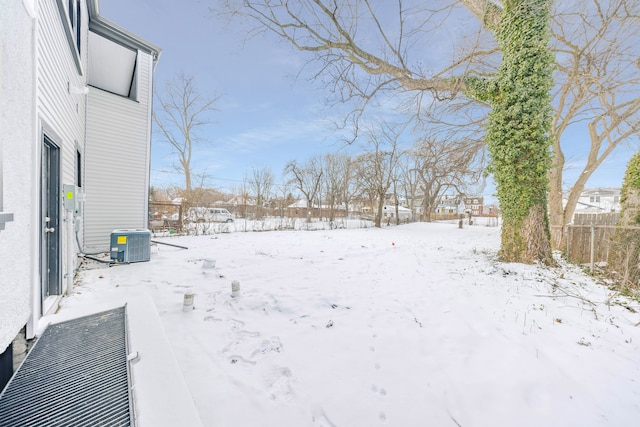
[[76, 374]]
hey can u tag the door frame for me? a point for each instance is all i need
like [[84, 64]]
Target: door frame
[[50, 207]]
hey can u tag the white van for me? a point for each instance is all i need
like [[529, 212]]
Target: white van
[[201, 214]]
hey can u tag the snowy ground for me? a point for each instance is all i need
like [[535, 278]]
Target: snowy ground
[[416, 325]]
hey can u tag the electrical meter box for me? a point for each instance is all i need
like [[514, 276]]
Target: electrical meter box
[[69, 197], [130, 245]]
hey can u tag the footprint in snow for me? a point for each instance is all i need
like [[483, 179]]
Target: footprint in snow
[[249, 334], [320, 419], [378, 390], [237, 359], [236, 323], [279, 385], [273, 344]]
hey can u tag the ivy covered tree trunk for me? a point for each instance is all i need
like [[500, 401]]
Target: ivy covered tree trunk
[[518, 129], [624, 252]]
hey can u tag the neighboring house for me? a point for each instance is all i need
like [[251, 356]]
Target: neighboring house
[[599, 200], [299, 209], [449, 204], [241, 201], [474, 205], [75, 122], [389, 213]]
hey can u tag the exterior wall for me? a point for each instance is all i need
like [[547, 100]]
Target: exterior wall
[[18, 260], [42, 82], [117, 160], [60, 112]]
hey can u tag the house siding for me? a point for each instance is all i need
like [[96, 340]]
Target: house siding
[[60, 114], [117, 160]]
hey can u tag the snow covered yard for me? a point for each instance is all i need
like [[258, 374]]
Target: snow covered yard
[[415, 325]]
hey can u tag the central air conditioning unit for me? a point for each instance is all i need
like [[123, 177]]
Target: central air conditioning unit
[[130, 245]]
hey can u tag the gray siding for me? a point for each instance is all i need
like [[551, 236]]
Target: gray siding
[[117, 160]]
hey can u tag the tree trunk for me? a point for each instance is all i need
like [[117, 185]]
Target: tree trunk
[[426, 210], [556, 209], [187, 180], [378, 217], [527, 240]]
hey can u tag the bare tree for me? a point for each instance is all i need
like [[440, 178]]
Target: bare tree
[[363, 50], [336, 180], [350, 186], [242, 200], [597, 86], [395, 192], [284, 197], [174, 194], [261, 183], [377, 166], [445, 165], [182, 112], [307, 178], [410, 165]]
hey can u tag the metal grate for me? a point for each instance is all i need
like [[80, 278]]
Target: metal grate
[[76, 374]]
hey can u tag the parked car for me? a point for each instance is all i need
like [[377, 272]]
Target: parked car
[[202, 214]]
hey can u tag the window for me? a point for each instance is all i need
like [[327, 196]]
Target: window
[[594, 199], [71, 16], [78, 24], [616, 199], [78, 169], [75, 18]]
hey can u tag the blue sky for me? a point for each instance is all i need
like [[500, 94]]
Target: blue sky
[[267, 115]]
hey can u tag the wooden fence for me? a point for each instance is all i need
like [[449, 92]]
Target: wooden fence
[[588, 238]]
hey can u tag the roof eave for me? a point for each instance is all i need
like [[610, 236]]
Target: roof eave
[[112, 31]]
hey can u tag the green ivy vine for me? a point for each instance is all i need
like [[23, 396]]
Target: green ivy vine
[[631, 177], [519, 123]]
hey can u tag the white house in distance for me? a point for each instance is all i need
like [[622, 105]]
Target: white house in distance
[[599, 200], [75, 129], [389, 213]]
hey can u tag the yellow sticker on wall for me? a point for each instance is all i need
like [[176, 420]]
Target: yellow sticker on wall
[[122, 240], [70, 195]]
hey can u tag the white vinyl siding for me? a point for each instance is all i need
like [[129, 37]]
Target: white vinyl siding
[[60, 108], [61, 105], [117, 160]]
